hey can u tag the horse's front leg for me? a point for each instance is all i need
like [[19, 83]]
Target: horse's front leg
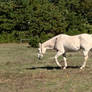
[[59, 53], [64, 58]]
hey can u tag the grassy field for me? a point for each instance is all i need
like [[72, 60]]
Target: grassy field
[[21, 71]]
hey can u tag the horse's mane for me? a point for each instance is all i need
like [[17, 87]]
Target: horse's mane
[[53, 38]]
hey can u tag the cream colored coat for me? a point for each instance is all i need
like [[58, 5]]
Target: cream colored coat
[[64, 43]]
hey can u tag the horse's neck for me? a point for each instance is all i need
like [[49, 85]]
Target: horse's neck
[[49, 44]]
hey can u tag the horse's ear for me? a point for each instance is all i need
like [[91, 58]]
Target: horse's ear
[[39, 44]]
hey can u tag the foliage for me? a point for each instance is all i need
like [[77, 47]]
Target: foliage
[[41, 19], [34, 41]]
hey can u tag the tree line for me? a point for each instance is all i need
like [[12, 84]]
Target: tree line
[[39, 20]]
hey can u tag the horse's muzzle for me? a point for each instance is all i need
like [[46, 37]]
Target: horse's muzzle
[[40, 56]]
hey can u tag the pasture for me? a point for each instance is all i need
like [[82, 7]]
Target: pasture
[[21, 71]]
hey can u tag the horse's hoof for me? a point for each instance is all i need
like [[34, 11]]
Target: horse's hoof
[[64, 68], [81, 68]]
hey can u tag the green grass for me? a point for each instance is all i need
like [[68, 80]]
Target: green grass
[[21, 71]]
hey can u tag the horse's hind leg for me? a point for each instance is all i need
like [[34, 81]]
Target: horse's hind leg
[[59, 53], [64, 58], [85, 59]]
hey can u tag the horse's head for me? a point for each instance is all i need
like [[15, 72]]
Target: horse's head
[[41, 50]]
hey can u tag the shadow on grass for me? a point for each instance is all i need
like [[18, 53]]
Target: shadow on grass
[[51, 67]]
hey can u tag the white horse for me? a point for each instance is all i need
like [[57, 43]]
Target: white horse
[[65, 43]]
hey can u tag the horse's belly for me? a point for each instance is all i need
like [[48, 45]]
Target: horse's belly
[[72, 47]]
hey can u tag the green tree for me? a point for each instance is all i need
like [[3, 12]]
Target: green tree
[[39, 20]]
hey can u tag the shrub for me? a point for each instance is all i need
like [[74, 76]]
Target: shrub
[[34, 41]]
